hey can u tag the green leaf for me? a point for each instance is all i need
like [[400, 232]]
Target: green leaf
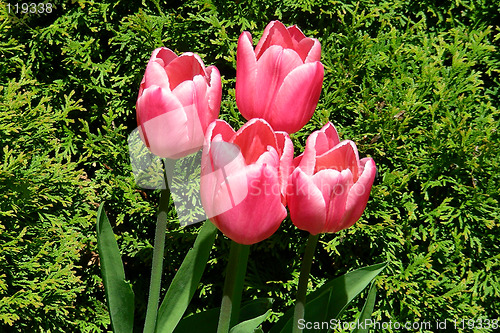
[[207, 321], [254, 308], [185, 282], [119, 294], [366, 313], [334, 296], [250, 325]]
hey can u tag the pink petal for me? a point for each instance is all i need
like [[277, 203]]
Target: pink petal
[[221, 160], [246, 74], [185, 93], [331, 134], [218, 126], [253, 138], [269, 158], [304, 47], [272, 68], [275, 33], [154, 102], [163, 56], [309, 49], [155, 75], [259, 215], [314, 53], [343, 156], [305, 203], [184, 68], [205, 115], [296, 34], [334, 187], [285, 149], [166, 126], [359, 193], [214, 93], [297, 98]]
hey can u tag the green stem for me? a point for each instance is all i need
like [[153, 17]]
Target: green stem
[[158, 249], [303, 281], [233, 286]]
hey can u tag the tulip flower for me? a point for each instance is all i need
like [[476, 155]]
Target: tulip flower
[[330, 185], [243, 179], [280, 81], [178, 98]]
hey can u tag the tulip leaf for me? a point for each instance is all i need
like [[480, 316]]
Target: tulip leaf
[[119, 294], [207, 321], [249, 325], [366, 313], [255, 308], [186, 280], [334, 296]]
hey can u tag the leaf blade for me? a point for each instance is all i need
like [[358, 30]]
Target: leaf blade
[[366, 313], [344, 288], [186, 280], [119, 293], [249, 325]]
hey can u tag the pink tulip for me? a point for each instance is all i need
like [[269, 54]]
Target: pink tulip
[[330, 185], [280, 81], [244, 178], [178, 99]]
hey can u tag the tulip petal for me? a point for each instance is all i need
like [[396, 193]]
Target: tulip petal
[[296, 35], [304, 47], [223, 159], [275, 33], [331, 135], [166, 124], [192, 94], [306, 203], [272, 68], [163, 56], [154, 102], [314, 53], [200, 98], [219, 126], [155, 75], [184, 68], [359, 193], [251, 221], [269, 158], [253, 138], [297, 98], [214, 94], [334, 186], [185, 92], [285, 149], [218, 134], [246, 73], [342, 156]]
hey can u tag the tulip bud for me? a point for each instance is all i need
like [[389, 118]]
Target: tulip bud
[[243, 179], [178, 98], [330, 186], [280, 81]]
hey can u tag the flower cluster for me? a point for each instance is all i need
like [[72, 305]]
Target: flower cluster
[[249, 176]]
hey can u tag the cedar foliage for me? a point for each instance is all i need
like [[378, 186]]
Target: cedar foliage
[[414, 84]]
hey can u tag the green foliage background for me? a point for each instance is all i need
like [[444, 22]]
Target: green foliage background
[[414, 84]]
